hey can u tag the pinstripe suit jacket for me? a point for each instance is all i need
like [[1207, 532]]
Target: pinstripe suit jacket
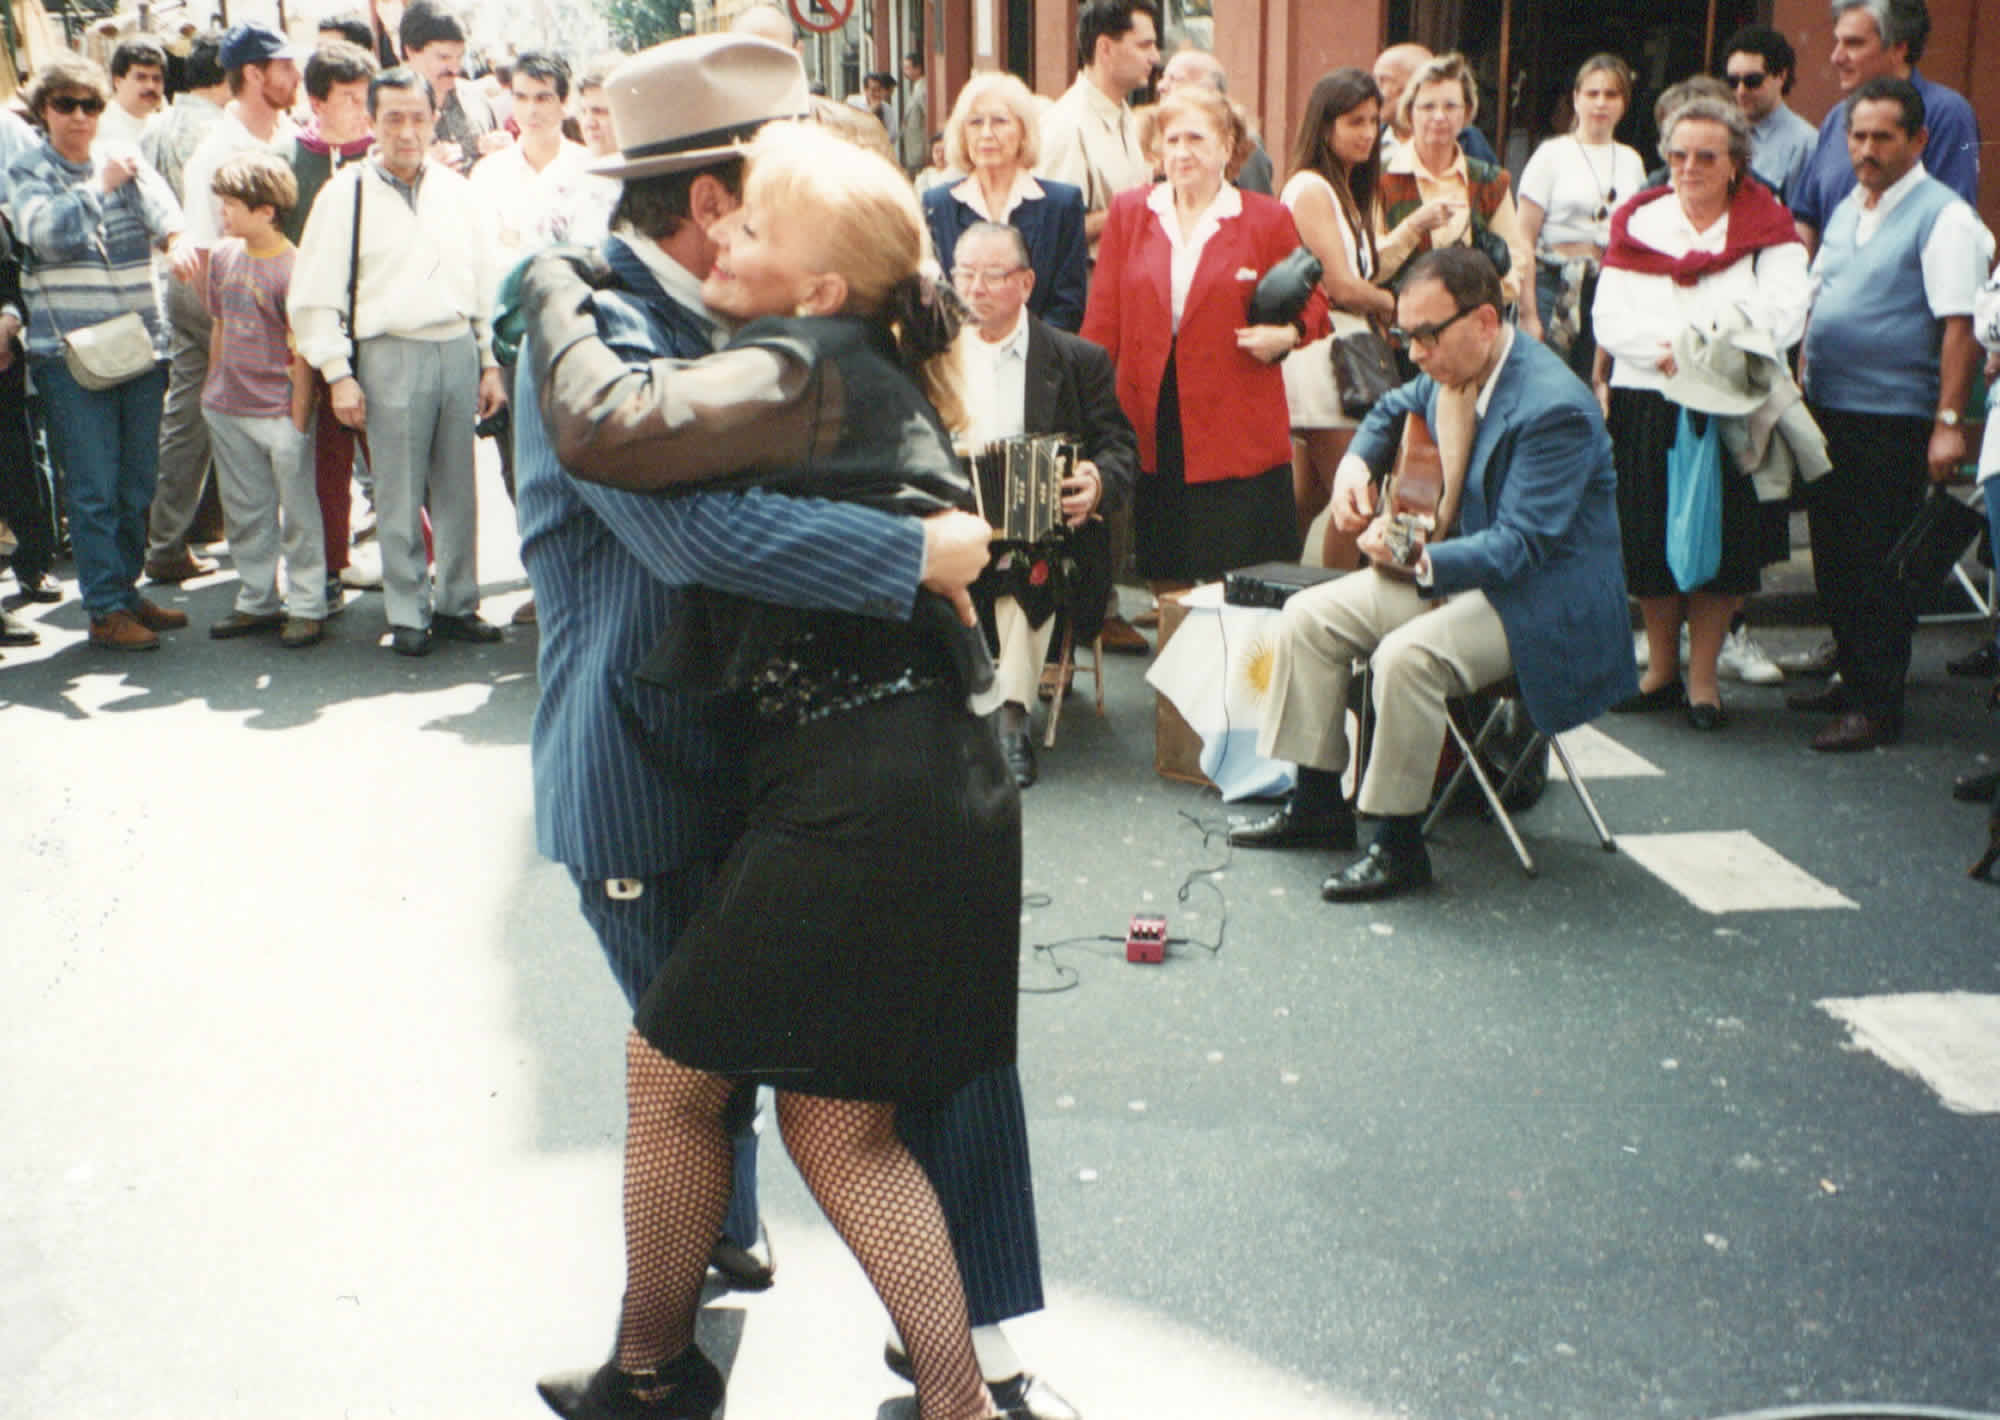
[[631, 780]]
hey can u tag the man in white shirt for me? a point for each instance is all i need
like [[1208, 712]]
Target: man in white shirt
[[138, 90], [1889, 362], [1024, 377], [418, 370], [1088, 137], [260, 69]]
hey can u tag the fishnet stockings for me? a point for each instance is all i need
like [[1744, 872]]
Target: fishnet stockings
[[881, 1203], [677, 1173], [677, 1180]]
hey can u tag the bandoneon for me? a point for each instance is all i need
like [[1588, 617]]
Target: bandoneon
[[1019, 483]]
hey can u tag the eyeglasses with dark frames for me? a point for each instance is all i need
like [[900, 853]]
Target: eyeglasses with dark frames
[[67, 104], [1429, 335], [1745, 81]]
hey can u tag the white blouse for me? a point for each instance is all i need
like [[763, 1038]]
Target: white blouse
[[1228, 203], [1358, 257], [1636, 317]]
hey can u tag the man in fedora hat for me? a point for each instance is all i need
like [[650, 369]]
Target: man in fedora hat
[[634, 785]]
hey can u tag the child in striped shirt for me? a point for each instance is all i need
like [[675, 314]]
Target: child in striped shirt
[[263, 458]]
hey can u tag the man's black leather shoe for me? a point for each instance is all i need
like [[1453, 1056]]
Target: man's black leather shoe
[[1829, 699], [1019, 751], [465, 628], [687, 1388], [746, 1269], [1029, 1397], [410, 640], [1381, 872], [1983, 662], [1289, 829], [1977, 788]]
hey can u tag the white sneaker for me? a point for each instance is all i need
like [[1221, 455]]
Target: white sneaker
[[1742, 659], [364, 567]]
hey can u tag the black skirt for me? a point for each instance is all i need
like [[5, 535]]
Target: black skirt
[[862, 939], [1194, 532], [1754, 534]]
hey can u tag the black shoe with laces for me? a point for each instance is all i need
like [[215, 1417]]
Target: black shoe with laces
[[686, 1388]]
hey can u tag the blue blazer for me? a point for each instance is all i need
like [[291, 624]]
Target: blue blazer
[[1537, 531], [1051, 224], [631, 780]]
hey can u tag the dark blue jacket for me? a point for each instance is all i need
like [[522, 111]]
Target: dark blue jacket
[[1051, 224], [1537, 531]]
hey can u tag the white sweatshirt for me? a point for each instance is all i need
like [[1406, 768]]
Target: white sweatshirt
[[426, 273]]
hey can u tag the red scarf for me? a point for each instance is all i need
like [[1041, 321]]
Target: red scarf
[[1756, 220]]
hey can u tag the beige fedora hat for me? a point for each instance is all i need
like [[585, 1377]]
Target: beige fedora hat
[[692, 102]]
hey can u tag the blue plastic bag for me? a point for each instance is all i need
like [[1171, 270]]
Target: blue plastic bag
[[1694, 503]]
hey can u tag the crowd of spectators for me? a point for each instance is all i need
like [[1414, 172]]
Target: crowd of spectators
[[416, 176]]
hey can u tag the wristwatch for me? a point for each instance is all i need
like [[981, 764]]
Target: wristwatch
[[1948, 418]]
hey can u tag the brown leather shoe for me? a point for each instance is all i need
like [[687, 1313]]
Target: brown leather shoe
[[245, 623], [182, 568], [301, 631], [1855, 731], [155, 617], [121, 631], [524, 614], [1124, 638]]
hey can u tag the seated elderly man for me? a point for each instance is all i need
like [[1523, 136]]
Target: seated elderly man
[[1529, 582], [1023, 376]]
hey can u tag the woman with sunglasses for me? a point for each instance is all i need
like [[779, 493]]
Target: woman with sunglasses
[[87, 230], [1680, 256], [1568, 192]]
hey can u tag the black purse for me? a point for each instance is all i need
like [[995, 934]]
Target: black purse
[[1926, 551], [1283, 291], [1364, 369]]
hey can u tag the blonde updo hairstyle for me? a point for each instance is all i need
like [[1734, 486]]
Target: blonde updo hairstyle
[[858, 217], [1223, 115]]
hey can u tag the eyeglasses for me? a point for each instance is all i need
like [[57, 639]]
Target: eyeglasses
[[1746, 81], [1696, 157], [1429, 335], [981, 276], [66, 104]]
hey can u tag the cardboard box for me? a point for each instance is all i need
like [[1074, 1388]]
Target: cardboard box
[[1176, 747]]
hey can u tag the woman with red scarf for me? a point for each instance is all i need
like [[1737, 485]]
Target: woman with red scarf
[[1679, 257]]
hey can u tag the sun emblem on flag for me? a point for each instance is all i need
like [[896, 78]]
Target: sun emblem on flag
[[1258, 659]]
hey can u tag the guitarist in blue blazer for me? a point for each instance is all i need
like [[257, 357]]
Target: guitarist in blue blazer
[[1530, 581]]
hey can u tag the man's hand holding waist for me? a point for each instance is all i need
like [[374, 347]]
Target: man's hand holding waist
[[955, 552]]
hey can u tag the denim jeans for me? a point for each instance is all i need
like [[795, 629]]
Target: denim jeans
[[107, 443]]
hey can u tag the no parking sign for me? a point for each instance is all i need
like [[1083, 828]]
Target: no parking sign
[[821, 16]]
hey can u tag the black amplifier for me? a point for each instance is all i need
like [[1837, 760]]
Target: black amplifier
[[1270, 583]]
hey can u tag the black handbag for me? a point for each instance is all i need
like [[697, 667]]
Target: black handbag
[[1926, 551], [1283, 291], [1364, 369]]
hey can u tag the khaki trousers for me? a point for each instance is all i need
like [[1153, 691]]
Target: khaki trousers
[[1017, 669], [1421, 651]]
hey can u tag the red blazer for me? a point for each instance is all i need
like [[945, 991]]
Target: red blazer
[[1234, 423]]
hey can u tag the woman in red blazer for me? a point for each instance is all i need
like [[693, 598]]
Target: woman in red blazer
[[1175, 271]]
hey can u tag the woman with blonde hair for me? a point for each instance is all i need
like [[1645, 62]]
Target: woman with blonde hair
[[1176, 268], [1434, 194], [992, 136], [1569, 190], [892, 979]]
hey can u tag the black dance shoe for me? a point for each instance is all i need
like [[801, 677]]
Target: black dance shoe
[[686, 1388]]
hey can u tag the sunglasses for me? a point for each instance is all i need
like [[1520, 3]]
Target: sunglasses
[[1746, 81], [1429, 335], [66, 104]]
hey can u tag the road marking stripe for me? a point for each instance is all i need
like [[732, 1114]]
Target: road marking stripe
[[1729, 871], [1950, 1040]]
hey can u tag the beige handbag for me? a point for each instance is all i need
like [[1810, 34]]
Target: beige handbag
[[109, 353]]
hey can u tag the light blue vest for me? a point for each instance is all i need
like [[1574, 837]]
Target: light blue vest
[[1872, 346]]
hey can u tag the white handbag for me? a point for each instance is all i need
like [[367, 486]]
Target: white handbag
[[109, 353]]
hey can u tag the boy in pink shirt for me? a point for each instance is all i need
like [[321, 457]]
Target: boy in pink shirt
[[263, 459]]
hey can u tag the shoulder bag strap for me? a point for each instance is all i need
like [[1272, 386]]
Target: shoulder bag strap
[[354, 263]]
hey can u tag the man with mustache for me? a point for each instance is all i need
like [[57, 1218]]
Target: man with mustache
[[1889, 361]]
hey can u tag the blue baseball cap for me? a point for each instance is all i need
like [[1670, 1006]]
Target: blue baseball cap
[[254, 44]]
